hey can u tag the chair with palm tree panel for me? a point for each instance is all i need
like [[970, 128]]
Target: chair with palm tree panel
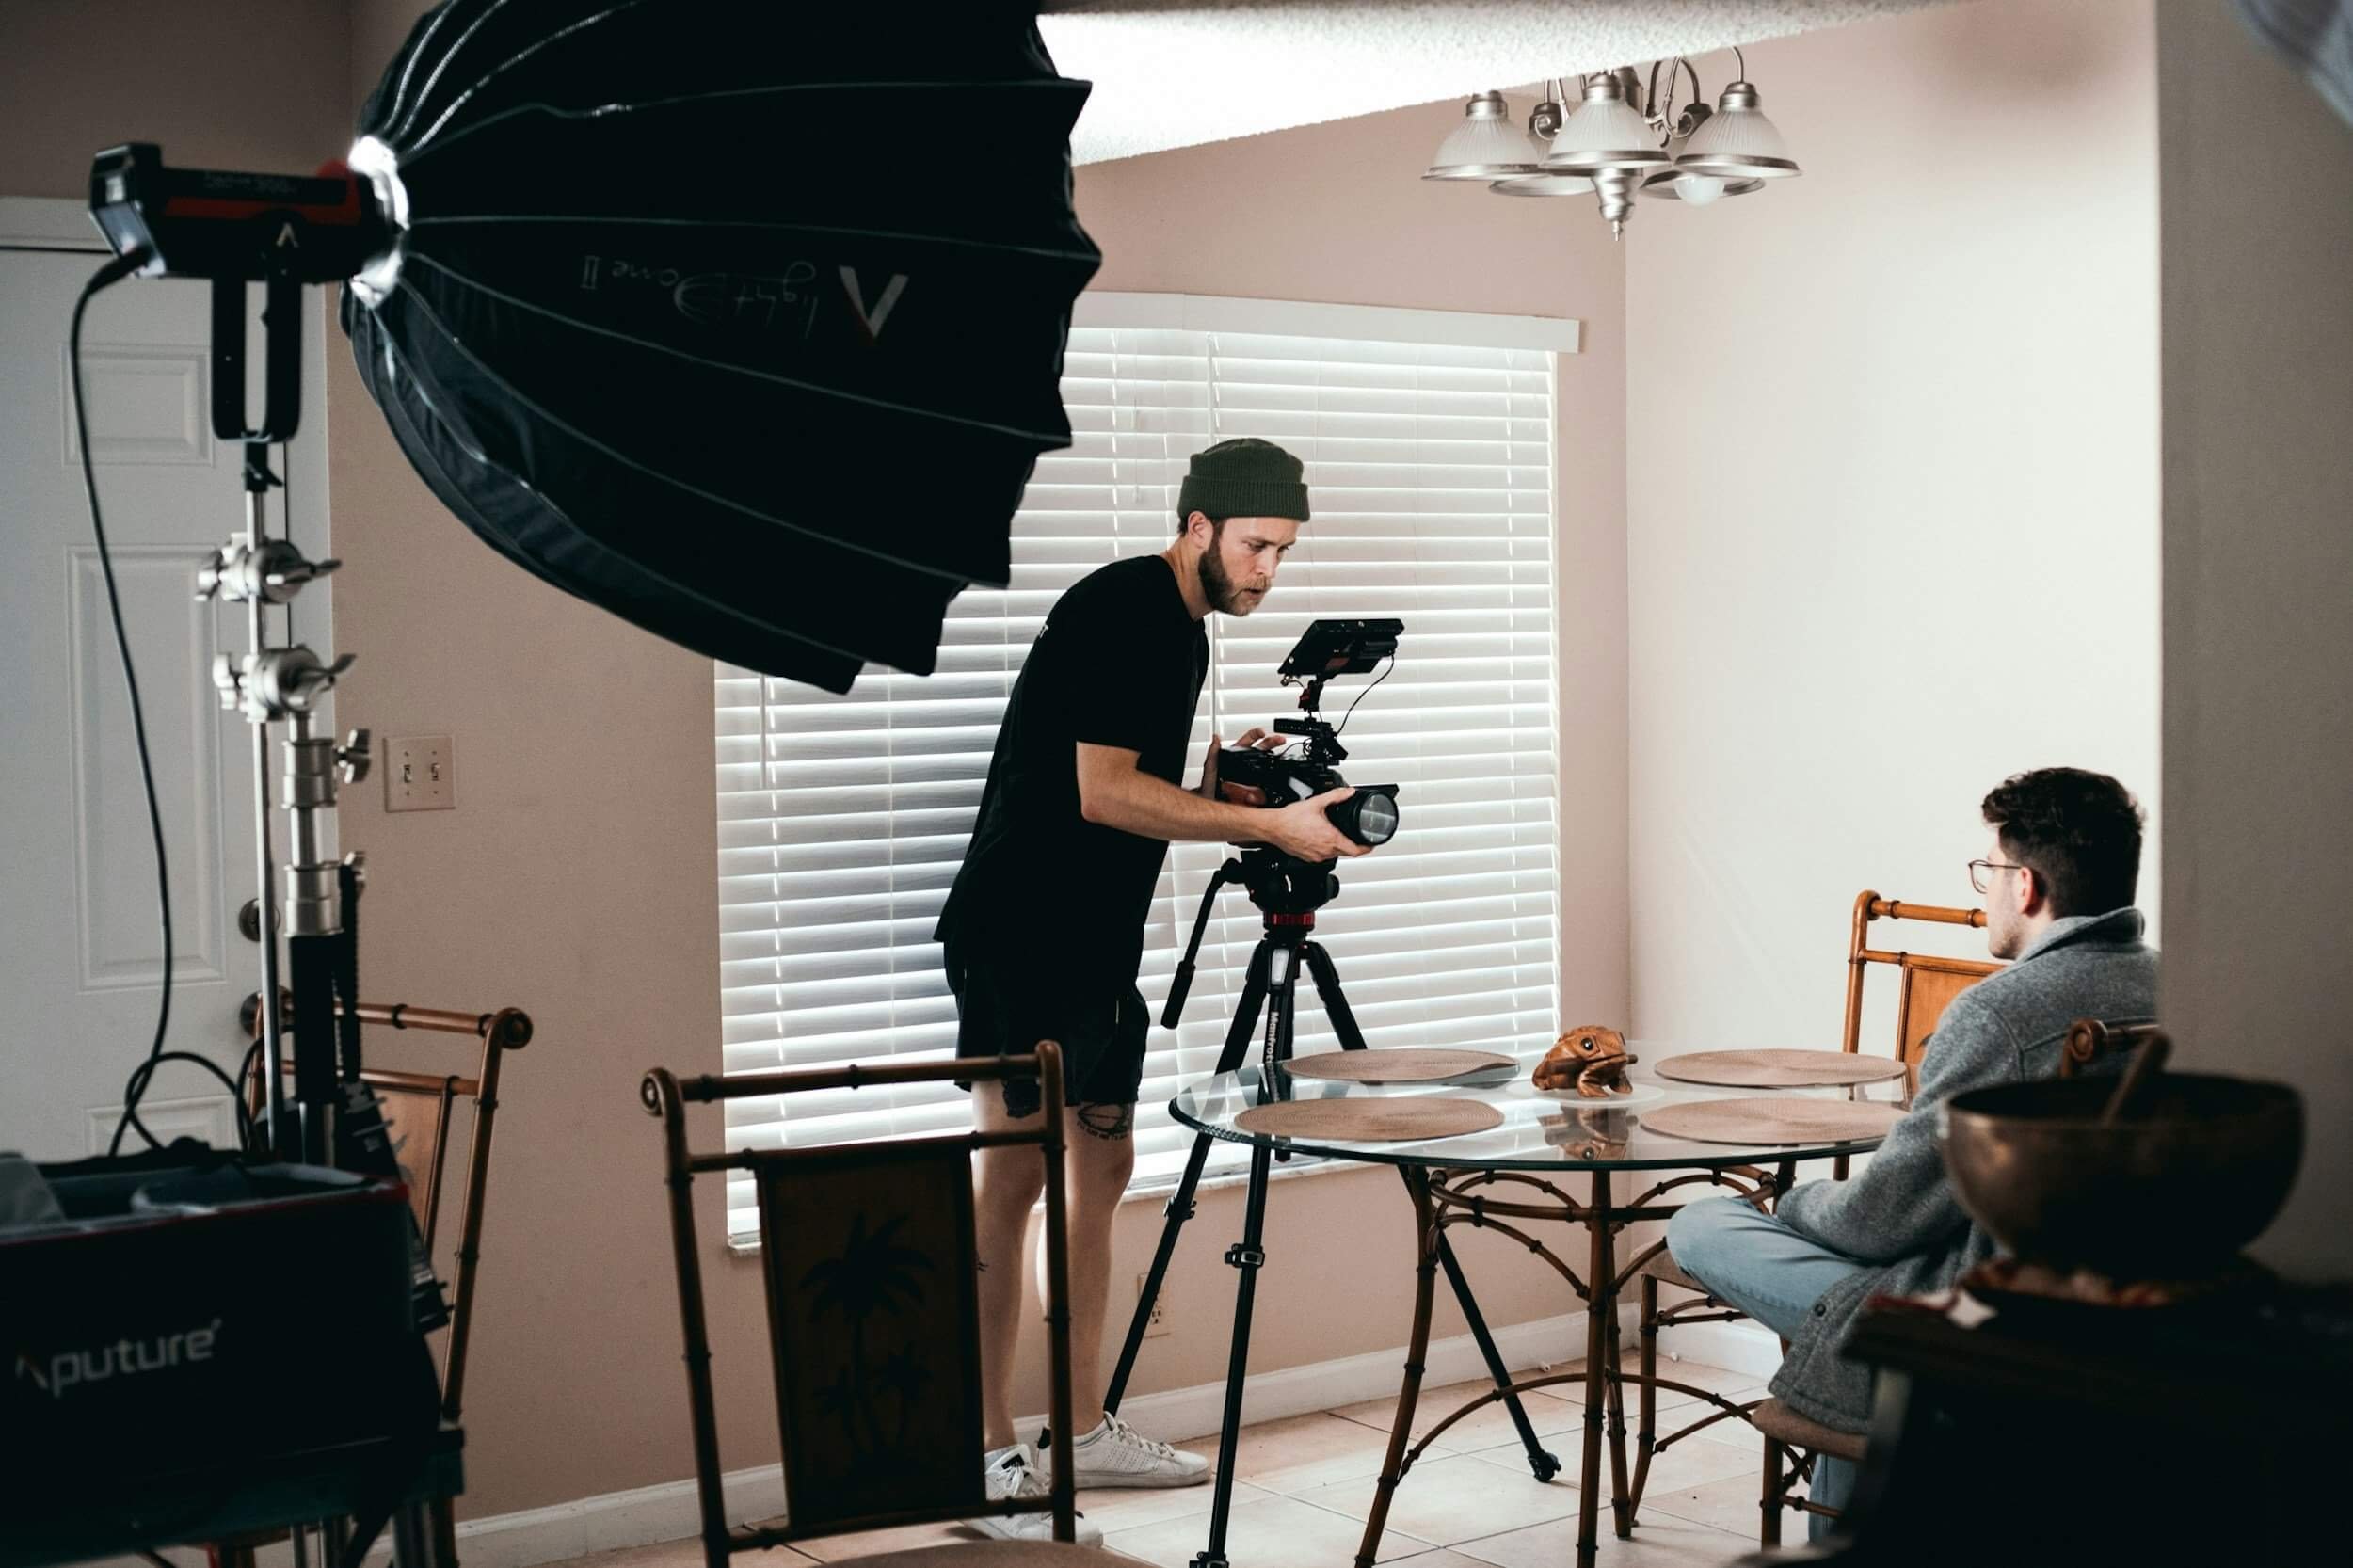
[[868, 1256]]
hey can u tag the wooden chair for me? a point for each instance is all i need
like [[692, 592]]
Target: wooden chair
[[420, 1109], [1928, 982], [868, 1254], [1928, 985]]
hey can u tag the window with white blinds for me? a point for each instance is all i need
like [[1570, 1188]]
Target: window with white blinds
[[1428, 441]]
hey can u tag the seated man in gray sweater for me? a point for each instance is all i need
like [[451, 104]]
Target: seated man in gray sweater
[[2058, 894]]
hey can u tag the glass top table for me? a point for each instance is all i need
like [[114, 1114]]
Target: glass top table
[[1508, 1179], [1542, 1130]]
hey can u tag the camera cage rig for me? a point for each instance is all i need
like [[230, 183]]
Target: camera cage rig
[[1326, 651]]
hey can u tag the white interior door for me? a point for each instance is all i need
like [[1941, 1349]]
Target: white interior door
[[82, 958]]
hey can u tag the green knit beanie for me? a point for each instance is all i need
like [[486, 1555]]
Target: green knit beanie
[[1244, 477]]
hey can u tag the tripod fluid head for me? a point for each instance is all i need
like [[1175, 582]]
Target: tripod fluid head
[[1287, 892]]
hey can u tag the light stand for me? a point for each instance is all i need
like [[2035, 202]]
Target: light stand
[[269, 685], [234, 230], [1287, 892]]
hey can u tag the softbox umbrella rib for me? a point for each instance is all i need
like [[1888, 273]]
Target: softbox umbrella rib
[[511, 62], [574, 562], [651, 220], [424, 146], [503, 419], [760, 403], [868, 608], [1044, 437]]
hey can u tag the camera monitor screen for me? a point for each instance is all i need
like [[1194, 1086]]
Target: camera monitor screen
[[1330, 648]]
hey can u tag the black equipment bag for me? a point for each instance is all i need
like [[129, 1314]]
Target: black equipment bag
[[204, 1343]]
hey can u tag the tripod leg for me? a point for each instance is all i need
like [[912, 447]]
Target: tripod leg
[[1180, 1208], [1327, 977], [1248, 1256], [1544, 1464]]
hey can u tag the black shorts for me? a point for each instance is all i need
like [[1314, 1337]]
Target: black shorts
[[1006, 1009]]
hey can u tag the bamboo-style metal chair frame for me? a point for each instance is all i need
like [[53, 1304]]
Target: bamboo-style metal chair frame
[[509, 1029], [959, 1496], [1928, 982]]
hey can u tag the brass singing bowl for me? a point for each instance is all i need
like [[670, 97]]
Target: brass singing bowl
[[2197, 1168]]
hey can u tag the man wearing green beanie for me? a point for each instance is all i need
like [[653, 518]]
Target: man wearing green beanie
[[1044, 928]]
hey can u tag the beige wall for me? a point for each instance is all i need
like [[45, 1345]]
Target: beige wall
[[1892, 458], [259, 85], [2258, 263]]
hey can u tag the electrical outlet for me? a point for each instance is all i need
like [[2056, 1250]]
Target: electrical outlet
[[420, 774], [1158, 1323]]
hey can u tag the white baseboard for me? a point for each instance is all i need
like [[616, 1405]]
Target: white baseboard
[[667, 1512], [1742, 1347]]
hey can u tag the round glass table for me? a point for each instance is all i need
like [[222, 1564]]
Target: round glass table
[[1556, 1157]]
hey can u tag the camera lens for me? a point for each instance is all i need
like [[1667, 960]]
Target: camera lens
[[1368, 816]]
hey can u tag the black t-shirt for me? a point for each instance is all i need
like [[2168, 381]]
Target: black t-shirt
[[1120, 663]]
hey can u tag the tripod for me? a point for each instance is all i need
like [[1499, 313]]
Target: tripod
[[1287, 893]]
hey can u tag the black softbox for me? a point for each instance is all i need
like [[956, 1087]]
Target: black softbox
[[744, 321]]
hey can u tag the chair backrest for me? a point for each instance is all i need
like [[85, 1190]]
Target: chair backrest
[[419, 1112], [871, 1271], [1927, 984]]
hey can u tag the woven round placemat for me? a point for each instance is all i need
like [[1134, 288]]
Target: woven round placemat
[[1401, 1064], [1771, 1119], [1371, 1118], [1779, 1069]]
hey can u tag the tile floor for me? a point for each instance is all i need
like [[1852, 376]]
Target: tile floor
[[1303, 1486]]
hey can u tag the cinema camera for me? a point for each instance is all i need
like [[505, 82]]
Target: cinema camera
[[1328, 649]]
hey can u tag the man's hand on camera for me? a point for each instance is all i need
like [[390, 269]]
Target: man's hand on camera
[[1241, 794], [1301, 831]]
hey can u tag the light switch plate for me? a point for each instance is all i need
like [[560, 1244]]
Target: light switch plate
[[420, 774]]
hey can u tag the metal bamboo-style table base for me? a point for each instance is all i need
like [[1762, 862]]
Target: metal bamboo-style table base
[[1483, 1199]]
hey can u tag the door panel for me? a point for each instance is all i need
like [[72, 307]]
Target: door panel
[[83, 950]]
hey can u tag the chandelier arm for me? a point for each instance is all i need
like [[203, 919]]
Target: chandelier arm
[[1699, 93], [1743, 59]]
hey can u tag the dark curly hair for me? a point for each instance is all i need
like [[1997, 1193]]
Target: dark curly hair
[[2079, 831]]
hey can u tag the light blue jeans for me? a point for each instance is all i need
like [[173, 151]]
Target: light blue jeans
[[1775, 1275]]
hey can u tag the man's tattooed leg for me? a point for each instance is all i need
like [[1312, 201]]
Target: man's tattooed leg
[[1109, 1122], [1023, 1098]]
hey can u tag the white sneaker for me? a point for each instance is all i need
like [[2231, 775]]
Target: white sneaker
[[1014, 1472], [1117, 1454]]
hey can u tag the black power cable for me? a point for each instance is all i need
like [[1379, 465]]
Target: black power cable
[[106, 277]]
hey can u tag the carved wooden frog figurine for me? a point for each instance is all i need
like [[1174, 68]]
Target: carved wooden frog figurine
[[1589, 1058]]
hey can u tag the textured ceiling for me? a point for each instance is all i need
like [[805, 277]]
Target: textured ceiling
[[1168, 73]]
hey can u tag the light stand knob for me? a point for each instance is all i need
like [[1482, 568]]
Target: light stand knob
[[351, 758]]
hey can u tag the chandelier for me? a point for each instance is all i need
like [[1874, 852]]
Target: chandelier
[[1624, 137]]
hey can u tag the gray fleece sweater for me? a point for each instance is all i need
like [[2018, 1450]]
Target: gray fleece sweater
[[1898, 1212]]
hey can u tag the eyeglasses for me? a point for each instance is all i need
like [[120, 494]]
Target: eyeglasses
[[1982, 872]]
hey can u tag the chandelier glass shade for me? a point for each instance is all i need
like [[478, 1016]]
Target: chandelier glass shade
[[1738, 142], [1606, 133], [1486, 145]]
